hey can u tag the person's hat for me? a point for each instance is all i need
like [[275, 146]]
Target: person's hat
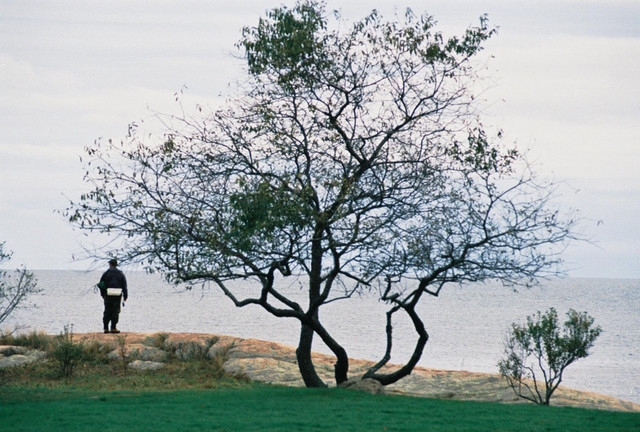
[[113, 262]]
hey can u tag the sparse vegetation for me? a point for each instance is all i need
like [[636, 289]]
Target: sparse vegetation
[[122, 352], [96, 365], [212, 341], [95, 352], [35, 339], [218, 360], [156, 340], [67, 353], [538, 351], [15, 287]]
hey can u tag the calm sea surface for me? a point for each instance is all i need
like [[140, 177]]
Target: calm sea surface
[[467, 325]]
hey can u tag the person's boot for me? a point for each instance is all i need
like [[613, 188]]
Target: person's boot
[[115, 330]]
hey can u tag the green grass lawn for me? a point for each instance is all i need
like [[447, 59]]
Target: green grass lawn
[[198, 395], [257, 407]]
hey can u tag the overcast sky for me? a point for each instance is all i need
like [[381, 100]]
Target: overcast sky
[[564, 85]]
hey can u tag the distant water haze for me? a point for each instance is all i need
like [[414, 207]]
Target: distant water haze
[[467, 325]]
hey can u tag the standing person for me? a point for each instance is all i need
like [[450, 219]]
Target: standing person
[[113, 288]]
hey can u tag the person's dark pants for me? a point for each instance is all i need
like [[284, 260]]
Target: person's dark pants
[[111, 311]]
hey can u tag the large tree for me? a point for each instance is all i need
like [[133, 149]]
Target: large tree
[[352, 159]]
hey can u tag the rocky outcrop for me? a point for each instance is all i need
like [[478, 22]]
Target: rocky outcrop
[[146, 365], [185, 350], [14, 360], [139, 351], [153, 354], [276, 363], [12, 356], [218, 350]]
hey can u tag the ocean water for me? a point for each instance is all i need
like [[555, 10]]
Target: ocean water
[[467, 325]]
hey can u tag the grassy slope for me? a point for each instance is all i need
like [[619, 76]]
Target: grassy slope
[[199, 395], [260, 407]]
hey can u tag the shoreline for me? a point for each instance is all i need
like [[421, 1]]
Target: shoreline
[[275, 363]]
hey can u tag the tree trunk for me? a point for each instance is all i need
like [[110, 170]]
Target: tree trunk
[[303, 352], [303, 355], [341, 366], [423, 337]]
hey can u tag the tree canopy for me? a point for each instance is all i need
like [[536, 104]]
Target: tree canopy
[[352, 159]]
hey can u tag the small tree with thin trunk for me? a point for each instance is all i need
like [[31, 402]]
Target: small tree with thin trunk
[[15, 287], [538, 352]]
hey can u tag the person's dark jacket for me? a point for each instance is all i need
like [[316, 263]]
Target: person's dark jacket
[[114, 278]]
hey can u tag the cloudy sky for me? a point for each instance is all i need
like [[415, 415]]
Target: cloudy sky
[[563, 81]]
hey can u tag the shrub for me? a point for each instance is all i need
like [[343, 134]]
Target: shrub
[[97, 352], [35, 339], [66, 352], [539, 349], [123, 352]]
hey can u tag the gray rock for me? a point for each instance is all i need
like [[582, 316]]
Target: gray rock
[[366, 385], [15, 360], [218, 350], [130, 350], [444, 395], [153, 354], [115, 355], [35, 355], [190, 350], [19, 357], [145, 365]]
